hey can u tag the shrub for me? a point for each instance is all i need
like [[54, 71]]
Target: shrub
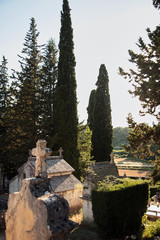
[[118, 210], [154, 189], [121, 153], [151, 229]]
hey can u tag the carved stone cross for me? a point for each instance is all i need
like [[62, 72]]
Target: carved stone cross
[[112, 158], [60, 152], [41, 153]]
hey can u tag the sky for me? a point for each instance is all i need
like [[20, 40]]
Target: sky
[[103, 32]]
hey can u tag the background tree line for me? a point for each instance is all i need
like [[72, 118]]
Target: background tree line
[[41, 100], [28, 102]]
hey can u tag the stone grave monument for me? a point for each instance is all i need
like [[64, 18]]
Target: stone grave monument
[[36, 212], [96, 172]]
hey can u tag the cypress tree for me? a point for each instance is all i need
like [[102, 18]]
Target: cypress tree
[[67, 119], [90, 109], [85, 146], [102, 123], [47, 93]]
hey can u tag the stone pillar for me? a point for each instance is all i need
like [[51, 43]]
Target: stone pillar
[[35, 213]]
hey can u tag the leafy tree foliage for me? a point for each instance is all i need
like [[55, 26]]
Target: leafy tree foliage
[[146, 84], [155, 175], [67, 119], [85, 146], [156, 4], [141, 138], [120, 137], [90, 109], [102, 123], [146, 80], [48, 82]]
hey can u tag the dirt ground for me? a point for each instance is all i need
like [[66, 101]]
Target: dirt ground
[[126, 163]]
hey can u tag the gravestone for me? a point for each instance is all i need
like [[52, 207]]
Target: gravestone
[[112, 158], [60, 152], [36, 212]]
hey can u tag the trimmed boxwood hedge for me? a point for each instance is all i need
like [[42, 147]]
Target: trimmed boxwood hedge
[[118, 210]]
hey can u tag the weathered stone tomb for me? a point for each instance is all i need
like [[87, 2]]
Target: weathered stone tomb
[[59, 172], [37, 213]]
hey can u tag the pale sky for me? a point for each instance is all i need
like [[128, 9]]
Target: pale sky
[[103, 31]]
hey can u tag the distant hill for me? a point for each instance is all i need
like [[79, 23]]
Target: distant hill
[[120, 137]]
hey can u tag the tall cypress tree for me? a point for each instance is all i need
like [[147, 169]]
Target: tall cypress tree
[[67, 119], [102, 123], [90, 109], [47, 93]]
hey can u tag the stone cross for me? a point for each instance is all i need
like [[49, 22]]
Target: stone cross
[[112, 158], [60, 152], [41, 153]]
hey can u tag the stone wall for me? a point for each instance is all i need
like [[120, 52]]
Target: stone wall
[[103, 169], [73, 198]]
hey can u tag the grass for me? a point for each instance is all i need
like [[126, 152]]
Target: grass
[[85, 232], [77, 217]]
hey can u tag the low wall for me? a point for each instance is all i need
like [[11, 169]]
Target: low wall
[[73, 198]]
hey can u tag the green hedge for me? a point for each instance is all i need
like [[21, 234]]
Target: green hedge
[[118, 211]]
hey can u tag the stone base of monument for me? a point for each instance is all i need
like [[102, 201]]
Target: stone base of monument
[[36, 213], [96, 172]]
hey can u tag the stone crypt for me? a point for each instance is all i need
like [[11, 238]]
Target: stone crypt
[[37, 212], [59, 172]]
